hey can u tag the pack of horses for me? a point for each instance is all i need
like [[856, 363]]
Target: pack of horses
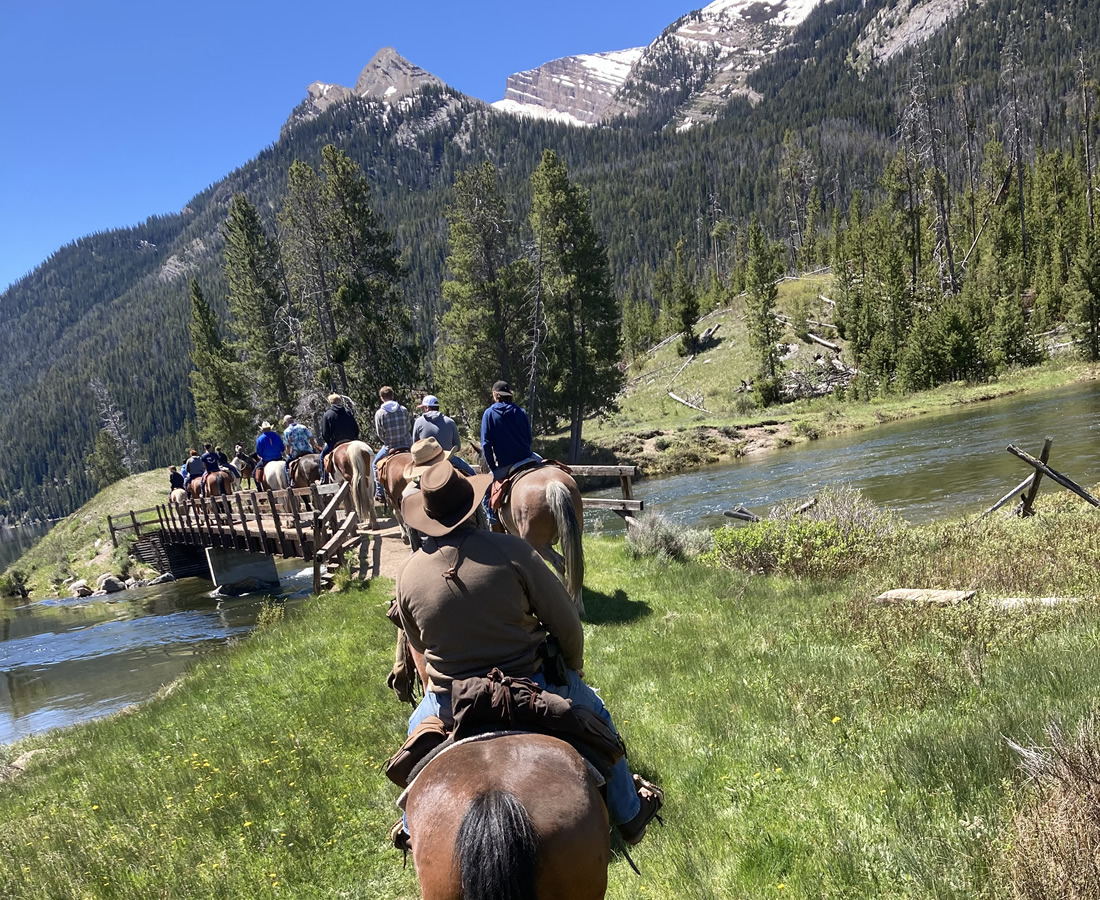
[[517, 816]]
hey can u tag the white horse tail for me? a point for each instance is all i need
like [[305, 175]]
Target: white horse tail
[[560, 501], [361, 458]]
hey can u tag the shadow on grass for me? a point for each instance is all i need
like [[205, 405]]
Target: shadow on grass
[[606, 609]]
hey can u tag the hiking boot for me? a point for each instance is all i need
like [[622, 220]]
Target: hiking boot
[[399, 836], [652, 799]]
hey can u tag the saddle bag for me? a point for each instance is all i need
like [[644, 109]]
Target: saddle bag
[[497, 702], [428, 735]]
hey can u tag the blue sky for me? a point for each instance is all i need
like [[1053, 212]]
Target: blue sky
[[119, 110]]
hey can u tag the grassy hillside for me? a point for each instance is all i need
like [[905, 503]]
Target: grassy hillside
[[811, 744], [80, 545]]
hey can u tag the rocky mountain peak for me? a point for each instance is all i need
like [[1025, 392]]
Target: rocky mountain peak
[[389, 76]]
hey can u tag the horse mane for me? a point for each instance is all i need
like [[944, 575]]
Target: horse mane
[[497, 849]]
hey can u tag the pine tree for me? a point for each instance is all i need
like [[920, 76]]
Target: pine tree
[[217, 381], [583, 343], [105, 465], [263, 315], [685, 301], [760, 318], [1086, 290], [486, 321]]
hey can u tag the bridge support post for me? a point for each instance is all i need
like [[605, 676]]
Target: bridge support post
[[238, 570]]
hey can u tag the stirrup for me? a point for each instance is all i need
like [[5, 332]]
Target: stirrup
[[399, 836], [652, 799]]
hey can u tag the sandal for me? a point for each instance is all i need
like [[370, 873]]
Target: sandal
[[652, 799]]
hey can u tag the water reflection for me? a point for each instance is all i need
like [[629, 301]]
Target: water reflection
[[69, 660]]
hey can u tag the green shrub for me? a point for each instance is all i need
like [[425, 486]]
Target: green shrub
[[654, 535], [804, 429], [13, 584]]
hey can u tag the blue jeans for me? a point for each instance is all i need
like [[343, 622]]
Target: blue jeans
[[622, 797]]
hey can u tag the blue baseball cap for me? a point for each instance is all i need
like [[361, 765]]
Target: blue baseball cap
[[430, 400]]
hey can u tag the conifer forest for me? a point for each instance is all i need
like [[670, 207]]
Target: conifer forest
[[440, 244]]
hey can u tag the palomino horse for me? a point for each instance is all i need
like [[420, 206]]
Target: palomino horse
[[178, 498], [515, 816], [544, 507], [353, 462]]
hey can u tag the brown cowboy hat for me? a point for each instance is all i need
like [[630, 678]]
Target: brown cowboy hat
[[425, 453], [446, 499]]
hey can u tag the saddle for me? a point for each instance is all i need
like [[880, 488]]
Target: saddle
[[500, 490], [497, 702], [384, 462]]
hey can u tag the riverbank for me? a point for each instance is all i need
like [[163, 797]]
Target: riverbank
[[80, 546], [673, 438], [810, 742]]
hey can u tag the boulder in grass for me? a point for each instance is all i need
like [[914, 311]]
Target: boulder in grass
[[80, 589]]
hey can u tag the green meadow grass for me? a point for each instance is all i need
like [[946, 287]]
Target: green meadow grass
[[810, 745]]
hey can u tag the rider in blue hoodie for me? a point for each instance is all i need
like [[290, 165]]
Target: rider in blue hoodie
[[505, 437]]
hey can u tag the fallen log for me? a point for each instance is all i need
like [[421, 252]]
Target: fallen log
[[1056, 477], [686, 403], [741, 513], [996, 506], [824, 343]]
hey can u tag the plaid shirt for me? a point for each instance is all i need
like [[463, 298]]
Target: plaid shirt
[[393, 426]]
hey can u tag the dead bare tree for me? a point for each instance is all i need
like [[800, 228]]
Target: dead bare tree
[[113, 421], [1088, 86], [923, 113], [1013, 113]]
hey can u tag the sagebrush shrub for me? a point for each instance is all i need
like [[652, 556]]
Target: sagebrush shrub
[[654, 535]]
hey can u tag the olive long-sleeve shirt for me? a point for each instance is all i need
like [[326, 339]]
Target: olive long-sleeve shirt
[[475, 600]]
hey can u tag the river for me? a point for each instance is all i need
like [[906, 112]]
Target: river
[[65, 661], [932, 467]]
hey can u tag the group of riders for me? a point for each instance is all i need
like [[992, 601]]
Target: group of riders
[[469, 600]]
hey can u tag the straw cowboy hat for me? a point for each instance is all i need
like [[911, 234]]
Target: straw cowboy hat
[[265, 425], [425, 454], [446, 499]]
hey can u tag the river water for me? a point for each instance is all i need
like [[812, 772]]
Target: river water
[[65, 661], [69, 660], [933, 467]]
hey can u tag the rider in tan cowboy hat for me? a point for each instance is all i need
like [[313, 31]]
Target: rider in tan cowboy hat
[[425, 454], [472, 600]]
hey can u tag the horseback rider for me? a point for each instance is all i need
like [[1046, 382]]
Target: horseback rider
[[193, 468], [338, 426], [175, 479], [226, 465], [471, 600], [210, 463], [269, 446], [394, 430], [433, 424], [505, 439]]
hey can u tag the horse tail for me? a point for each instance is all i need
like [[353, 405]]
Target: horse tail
[[362, 479], [560, 500], [496, 849]]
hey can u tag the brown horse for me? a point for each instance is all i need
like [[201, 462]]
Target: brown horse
[[515, 816], [218, 484], [244, 465], [353, 462], [394, 483]]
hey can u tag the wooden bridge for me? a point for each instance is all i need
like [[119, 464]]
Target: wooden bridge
[[314, 523]]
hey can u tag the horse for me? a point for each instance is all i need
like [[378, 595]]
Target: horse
[[513, 816], [394, 483], [304, 471], [218, 484], [178, 498], [544, 507], [244, 465], [353, 462]]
